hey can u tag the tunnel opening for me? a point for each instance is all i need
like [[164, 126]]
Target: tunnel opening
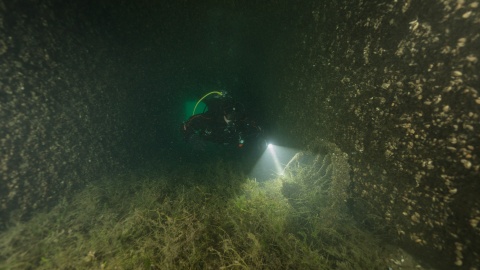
[[370, 110]]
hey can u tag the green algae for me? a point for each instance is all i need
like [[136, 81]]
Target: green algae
[[210, 218]]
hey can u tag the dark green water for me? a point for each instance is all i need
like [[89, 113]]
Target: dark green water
[[92, 97]]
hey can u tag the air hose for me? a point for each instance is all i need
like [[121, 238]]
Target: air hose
[[200, 100]]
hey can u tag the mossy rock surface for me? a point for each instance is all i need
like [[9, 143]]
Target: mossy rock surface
[[221, 220]]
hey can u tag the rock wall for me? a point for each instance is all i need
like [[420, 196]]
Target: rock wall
[[395, 85], [61, 102]]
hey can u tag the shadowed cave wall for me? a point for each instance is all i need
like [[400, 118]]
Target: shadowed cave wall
[[90, 89], [62, 102]]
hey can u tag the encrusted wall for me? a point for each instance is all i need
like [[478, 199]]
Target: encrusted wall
[[395, 85], [61, 102], [392, 83]]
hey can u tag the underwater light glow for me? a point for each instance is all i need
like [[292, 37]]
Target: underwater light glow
[[276, 162], [272, 162]]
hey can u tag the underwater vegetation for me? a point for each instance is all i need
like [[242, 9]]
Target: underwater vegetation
[[203, 217]]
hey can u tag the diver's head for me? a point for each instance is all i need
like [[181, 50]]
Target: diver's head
[[231, 114], [229, 118]]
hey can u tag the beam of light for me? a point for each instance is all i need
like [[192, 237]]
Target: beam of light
[[276, 161], [272, 163]]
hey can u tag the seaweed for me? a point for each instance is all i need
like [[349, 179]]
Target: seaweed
[[211, 217]]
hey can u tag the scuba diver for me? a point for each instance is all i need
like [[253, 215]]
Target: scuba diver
[[223, 122]]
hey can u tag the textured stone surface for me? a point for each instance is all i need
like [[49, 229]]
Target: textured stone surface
[[395, 85], [60, 104]]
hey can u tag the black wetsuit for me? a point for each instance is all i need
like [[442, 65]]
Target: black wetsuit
[[211, 125], [224, 122]]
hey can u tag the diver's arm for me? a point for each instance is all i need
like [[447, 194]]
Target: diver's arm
[[195, 123]]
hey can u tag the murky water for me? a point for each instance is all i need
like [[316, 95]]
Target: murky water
[[373, 109]]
